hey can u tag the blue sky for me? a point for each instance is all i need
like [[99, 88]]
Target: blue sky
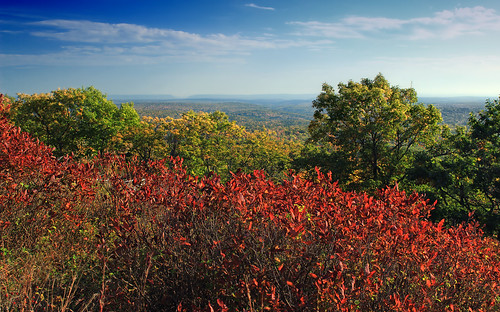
[[187, 47]]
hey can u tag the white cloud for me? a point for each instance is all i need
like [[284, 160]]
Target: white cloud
[[88, 42], [329, 30], [88, 31], [94, 43], [443, 25], [253, 5], [137, 35], [373, 23]]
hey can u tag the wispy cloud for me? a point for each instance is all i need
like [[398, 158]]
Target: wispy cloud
[[88, 42], [253, 5], [328, 30], [138, 35], [88, 31], [444, 24]]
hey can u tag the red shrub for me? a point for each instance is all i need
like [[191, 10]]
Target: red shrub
[[122, 235]]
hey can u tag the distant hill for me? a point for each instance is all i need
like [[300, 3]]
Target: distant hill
[[253, 97], [277, 112], [122, 98], [250, 115], [456, 110], [465, 101]]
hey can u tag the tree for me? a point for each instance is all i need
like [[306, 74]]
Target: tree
[[80, 121], [445, 173], [485, 133], [266, 150], [461, 172], [374, 126], [209, 142]]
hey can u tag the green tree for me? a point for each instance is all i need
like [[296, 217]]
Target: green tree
[[145, 141], [374, 127], [81, 121], [206, 141], [209, 142], [445, 173], [485, 133], [266, 150], [462, 171]]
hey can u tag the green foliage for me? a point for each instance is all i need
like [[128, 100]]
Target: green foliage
[[206, 142], [485, 134], [209, 142], [445, 173], [462, 171], [326, 156], [375, 126], [80, 121]]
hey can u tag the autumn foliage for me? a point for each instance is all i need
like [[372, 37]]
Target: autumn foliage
[[114, 235]]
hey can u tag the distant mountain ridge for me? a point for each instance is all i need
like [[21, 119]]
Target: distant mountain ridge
[[454, 100], [284, 98], [120, 98], [278, 110]]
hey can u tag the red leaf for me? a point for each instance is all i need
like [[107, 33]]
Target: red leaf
[[429, 283], [440, 225], [221, 304]]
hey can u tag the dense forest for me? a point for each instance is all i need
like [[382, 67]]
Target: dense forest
[[373, 203]]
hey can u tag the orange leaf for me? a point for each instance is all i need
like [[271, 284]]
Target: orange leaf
[[221, 304], [440, 225]]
